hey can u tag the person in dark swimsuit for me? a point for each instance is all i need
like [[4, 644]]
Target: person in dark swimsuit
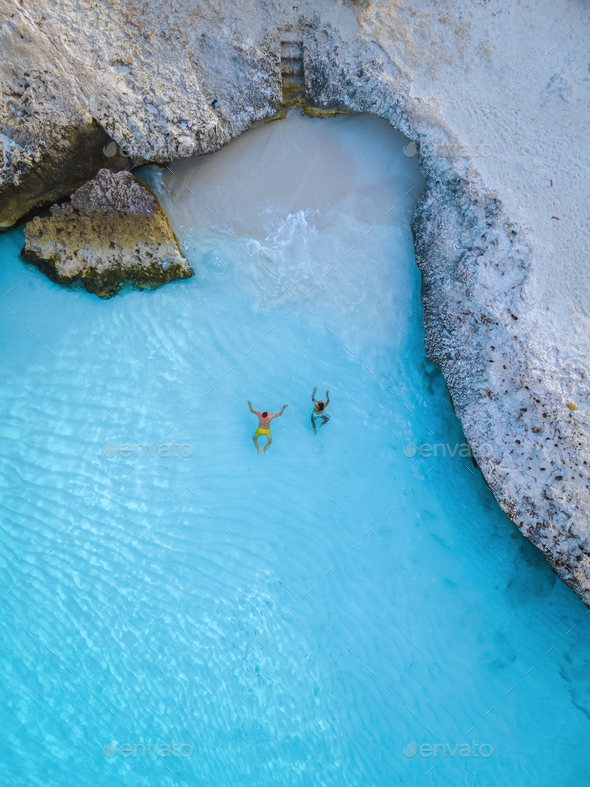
[[319, 410]]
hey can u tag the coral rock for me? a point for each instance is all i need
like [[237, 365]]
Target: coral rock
[[113, 232]]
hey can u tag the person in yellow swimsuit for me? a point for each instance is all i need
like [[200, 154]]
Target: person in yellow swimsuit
[[264, 419]]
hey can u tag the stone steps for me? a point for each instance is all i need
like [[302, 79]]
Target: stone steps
[[291, 49], [292, 69]]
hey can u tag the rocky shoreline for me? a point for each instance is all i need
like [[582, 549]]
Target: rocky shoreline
[[111, 233], [528, 437], [180, 84]]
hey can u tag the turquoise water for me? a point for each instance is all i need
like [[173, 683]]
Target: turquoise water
[[313, 617]]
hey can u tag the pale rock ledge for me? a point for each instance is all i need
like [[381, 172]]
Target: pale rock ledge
[[113, 232]]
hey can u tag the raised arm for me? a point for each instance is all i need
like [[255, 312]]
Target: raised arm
[[276, 415], [251, 410], [313, 395], [327, 398]]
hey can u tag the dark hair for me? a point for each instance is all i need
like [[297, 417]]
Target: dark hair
[[321, 405], [264, 414]]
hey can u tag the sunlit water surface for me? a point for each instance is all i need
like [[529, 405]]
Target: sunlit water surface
[[297, 619]]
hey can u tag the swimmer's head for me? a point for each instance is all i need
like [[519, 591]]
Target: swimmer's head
[[320, 405], [264, 414]]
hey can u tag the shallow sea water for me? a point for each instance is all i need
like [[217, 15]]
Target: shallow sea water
[[312, 617]]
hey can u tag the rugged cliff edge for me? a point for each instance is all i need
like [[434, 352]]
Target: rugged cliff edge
[[494, 97], [518, 412], [112, 232]]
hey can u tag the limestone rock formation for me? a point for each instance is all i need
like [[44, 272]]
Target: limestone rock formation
[[112, 232], [162, 86], [528, 436]]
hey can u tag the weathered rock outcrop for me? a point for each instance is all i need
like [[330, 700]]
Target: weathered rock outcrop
[[518, 412], [506, 291], [50, 142], [73, 77], [113, 232]]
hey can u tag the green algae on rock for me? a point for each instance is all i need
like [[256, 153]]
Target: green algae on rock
[[113, 232]]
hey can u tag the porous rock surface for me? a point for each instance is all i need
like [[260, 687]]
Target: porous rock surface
[[112, 232], [495, 97]]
